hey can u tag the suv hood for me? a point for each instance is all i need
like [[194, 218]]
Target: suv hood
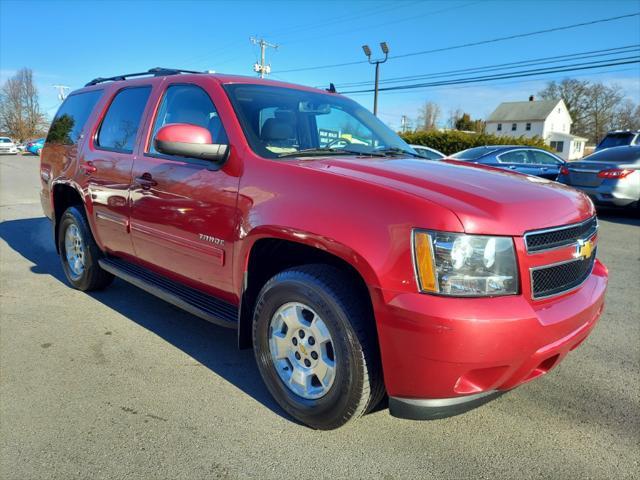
[[486, 200]]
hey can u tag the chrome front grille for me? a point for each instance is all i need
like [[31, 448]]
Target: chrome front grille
[[557, 237], [552, 280]]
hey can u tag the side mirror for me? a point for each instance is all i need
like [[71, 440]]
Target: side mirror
[[186, 140]]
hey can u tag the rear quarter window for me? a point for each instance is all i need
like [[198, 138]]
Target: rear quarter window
[[121, 123], [70, 120]]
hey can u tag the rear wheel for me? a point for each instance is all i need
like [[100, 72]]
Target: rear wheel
[[79, 253], [316, 346]]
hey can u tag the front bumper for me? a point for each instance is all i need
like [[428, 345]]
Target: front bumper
[[442, 356]]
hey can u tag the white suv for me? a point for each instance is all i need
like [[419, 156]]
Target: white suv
[[7, 146]]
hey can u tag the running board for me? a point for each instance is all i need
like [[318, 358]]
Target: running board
[[193, 301]]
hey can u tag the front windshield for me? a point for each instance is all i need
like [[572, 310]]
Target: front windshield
[[280, 121]]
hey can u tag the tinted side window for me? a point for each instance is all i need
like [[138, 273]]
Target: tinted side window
[[541, 158], [122, 121], [71, 117], [517, 156], [189, 104]]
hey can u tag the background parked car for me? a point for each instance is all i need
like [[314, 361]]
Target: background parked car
[[529, 160], [35, 146], [428, 153], [7, 146], [610, 177], [619, 138]]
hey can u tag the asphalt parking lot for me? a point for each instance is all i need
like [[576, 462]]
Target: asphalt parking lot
[[118, 384]]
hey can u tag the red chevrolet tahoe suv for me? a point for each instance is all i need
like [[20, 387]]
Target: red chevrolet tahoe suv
[[355, 269]]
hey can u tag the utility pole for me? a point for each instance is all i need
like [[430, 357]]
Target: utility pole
[[62, 89], [367, 52], [262, 68], [403, 124]]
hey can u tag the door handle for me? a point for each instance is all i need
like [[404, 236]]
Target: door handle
[[146, 181], [512, 167], [88, 168]]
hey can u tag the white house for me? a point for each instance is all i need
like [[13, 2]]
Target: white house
[[547, 119]]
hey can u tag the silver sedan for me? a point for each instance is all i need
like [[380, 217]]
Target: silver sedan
[[610, 177]]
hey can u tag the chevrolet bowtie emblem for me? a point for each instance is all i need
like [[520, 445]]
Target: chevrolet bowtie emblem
[[584, 249]]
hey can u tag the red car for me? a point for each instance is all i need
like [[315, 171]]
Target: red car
[[353, 268]]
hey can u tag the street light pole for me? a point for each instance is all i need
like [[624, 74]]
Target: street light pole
[[367, 52]]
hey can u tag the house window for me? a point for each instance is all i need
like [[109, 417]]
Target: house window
[[499, 127], [514, 127], [557, 146], [528, 127], [577, 146]]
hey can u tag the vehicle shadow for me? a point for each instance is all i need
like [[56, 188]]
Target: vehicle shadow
[[625, 216], [212, 346]]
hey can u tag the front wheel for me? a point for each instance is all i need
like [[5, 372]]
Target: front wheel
[[79, 253], [316, 346]]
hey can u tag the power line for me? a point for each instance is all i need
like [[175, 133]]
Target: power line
[[504, 66], [288, 31], [472, 44], [512, 82], [387, 23], [507, 75]]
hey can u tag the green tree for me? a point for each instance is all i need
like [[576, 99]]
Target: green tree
[[464, 122]]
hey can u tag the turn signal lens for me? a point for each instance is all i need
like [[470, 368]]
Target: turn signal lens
[[615, 173], [424, 262]]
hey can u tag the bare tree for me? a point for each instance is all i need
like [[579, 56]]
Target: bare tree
[[628, 115], [454, 116], [593, 106], [428, 116], [575, 94], [20, 114]]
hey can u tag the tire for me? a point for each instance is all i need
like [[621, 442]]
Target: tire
[[323, 295], [91, 276]]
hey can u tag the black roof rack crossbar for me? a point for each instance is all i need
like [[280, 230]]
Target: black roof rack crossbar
[[156, 72]]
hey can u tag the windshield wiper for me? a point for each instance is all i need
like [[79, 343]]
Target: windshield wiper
[[389, 151], [319, 152]]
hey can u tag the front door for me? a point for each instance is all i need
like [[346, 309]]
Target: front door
[[183, 217]]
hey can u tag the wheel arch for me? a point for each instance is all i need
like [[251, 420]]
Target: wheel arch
[[271, 251], [63, 196]]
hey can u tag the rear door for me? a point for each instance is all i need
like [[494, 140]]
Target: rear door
[[183, 217], [108, 163]]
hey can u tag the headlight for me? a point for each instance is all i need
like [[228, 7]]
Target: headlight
[[464, 265]]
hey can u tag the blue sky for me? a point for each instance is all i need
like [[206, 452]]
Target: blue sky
[[71, 42]]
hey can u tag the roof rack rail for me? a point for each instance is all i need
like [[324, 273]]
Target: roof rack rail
[[156, 72]]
